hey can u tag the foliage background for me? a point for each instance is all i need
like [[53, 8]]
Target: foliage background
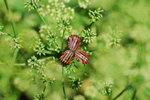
[[120, 53]]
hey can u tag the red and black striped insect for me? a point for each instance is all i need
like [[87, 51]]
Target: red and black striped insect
[[67, 57], [73, 44], [81, 56]]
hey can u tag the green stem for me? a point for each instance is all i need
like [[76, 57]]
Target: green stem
[[5, 1], [89, 26], [20, 64], [14, 31], [63, 85], [11, 22], [62, 45], [44, 59], [47, 52], [134, 94], [86, 27], [43, 92], [24, 64], [125, 89], [15, 54], [13, 28], [109, 97], [41, 16]]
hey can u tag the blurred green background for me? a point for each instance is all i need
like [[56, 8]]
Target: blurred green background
[[111, 67]]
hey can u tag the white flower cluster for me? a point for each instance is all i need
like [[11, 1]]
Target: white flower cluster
[[113, 37], [39, 48], [96, 14], [32, 4], [16, 43], [89, 36], [83, 3]]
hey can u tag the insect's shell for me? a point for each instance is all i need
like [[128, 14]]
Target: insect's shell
[[82, 57], [74, 42], [67, 57]]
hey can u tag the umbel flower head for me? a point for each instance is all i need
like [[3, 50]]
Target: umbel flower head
[[74, 45]]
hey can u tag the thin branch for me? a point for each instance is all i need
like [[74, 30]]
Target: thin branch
[[45, 59], [5, 1], [20, 64], [15, 54], [63, 85], [44, 21], [13, 28], [11, 22], [109, 97], [134, 94], [41, 16], [62, 45], [25, 64], [125, 89], [89, 26], [14, 31]]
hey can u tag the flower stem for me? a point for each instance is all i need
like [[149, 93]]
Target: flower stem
[[125, 89], [20, 64], [45, 59], [134, 94], [5, 1], [15, 54], [62, 45], [89, 26], [14, 31], [63, 85], [11, 22], [41, 16], [109, 97]]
